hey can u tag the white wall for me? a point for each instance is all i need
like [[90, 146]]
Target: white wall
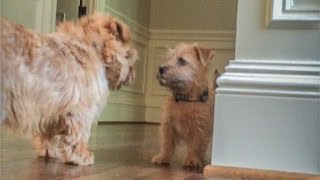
[[255, 41]]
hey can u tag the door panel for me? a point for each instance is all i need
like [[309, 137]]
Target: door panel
[[38, 15]]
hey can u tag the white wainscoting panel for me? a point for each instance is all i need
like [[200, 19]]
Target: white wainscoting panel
[[134, 26], [145, 92], [128, 104], [138, 86]]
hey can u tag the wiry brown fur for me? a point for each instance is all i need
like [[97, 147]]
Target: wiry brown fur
[[190, 122], [53, 85]]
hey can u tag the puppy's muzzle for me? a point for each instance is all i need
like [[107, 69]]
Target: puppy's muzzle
[[162, 70], [161, 74]]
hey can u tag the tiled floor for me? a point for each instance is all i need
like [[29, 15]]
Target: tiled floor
[[122, 151]]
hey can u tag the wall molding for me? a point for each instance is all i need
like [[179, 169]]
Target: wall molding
[[127, 103], [122, 113], [136, 102], [285, 78], [138, 86], [280, 15], [196, 35]]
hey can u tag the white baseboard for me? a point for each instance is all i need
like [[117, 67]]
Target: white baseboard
[[271, 78], [267, 116]]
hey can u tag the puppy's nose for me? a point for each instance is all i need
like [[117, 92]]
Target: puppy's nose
[[162, 69]]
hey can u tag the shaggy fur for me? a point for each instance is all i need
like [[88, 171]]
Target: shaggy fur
[[53, 85], [190, 120]]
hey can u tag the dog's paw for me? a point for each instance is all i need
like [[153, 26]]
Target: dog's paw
[[87, 159], [39, 146], [41, 152], [161, 160], [83, 159], [192, 163]]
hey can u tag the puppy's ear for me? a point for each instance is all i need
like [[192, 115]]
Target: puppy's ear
[[204, 54], [119, 30]]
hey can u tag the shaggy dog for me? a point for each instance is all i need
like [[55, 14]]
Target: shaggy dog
[[54, 85], [188, 113]]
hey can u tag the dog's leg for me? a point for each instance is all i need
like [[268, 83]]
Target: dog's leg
[[79, 154], [43, 147], [70, 146], [39, 146], [167, 144]]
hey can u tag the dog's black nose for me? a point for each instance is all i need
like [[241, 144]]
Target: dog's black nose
[[162, 69]]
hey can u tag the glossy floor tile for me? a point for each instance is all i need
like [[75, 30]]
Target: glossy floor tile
[[122, 151]]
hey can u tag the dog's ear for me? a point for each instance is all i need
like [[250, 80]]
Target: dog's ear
[[204, 54], [119, 30]]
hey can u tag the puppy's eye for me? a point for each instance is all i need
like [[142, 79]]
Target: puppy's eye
[[182, 62]]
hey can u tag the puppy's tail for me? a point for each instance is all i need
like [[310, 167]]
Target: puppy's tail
[[3, 117], [215, 77]]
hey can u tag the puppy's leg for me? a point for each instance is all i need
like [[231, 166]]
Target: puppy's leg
[[167, 144], [196, 149], [70, 146]]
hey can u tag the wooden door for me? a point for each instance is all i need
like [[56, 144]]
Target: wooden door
[[39, 15]]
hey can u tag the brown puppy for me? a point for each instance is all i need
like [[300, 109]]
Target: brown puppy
[[54, 85], [188, 113]]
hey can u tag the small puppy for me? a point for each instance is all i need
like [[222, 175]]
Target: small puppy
[[188, 113], [54, 85]]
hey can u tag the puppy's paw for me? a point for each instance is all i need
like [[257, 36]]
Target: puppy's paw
[[192, 162], [161, 160]]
